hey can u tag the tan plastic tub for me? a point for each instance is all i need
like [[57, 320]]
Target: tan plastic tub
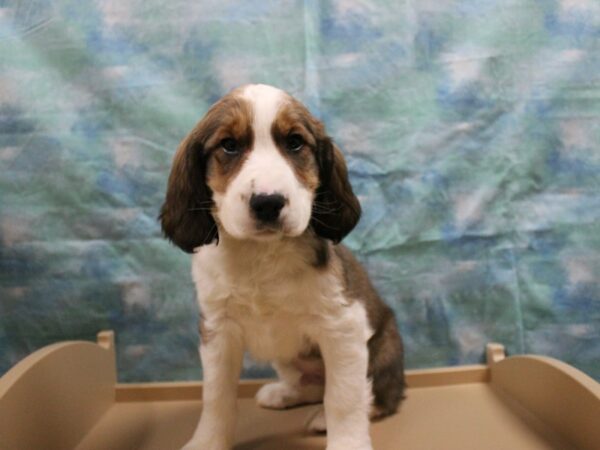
[[65, 396]]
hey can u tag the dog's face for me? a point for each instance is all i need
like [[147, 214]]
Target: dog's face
[[262, 169], [257, 166]]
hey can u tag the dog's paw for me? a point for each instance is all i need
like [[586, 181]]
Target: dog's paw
[[316, 423], [278, 395]]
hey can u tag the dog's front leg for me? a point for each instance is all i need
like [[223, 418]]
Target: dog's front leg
[[347, 389], [221, 353]]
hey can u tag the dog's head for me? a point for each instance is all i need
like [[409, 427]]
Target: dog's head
[[258, 166]]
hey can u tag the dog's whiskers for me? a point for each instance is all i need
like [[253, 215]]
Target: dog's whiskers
[[210, 236], [324, 224], [323, 207], [326, 210]]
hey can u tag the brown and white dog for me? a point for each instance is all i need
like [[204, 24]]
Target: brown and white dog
[[260, 195]]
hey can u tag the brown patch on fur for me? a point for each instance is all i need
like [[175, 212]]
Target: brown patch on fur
[[185, 215], [294, 118], [235, 120], [322, 253], [386, 352], [313, 351]]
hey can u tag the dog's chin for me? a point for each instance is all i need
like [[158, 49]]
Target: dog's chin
[[261, 232], [272, 232]]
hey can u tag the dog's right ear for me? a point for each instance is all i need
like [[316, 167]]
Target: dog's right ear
[[185, 215]]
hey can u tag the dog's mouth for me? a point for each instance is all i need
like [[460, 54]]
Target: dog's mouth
[[267, 230]]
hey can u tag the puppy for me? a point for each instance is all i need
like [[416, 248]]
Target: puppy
[[260, 195]]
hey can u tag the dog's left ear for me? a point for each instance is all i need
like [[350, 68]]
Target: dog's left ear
[[336, 209]]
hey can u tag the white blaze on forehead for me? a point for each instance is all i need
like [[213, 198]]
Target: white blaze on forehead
[[265, 101], [267, 169]]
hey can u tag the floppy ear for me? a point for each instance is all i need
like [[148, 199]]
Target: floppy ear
[[336, 209], [185, 215]]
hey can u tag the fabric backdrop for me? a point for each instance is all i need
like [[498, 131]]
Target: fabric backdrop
[[472, 134]]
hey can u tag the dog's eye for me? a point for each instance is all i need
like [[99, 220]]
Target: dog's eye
[[230, 146], [294, 143]]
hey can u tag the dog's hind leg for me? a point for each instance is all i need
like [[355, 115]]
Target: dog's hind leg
[[300, 383]]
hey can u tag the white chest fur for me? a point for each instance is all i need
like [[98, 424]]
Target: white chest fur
[[272, 292]]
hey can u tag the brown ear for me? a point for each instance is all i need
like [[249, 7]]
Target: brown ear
[[336, 209], [185, 215]]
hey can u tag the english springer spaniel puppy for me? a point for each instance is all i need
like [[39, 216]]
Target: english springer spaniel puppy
[[259, 194]]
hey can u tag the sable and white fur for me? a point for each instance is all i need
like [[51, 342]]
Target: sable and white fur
[[260, 195]]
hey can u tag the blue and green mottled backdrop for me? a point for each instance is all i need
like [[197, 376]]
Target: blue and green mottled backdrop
[[472, 130]]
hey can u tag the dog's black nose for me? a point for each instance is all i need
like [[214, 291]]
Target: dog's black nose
[[266, 208]]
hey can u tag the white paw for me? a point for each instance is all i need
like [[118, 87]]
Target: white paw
[[278, 395], [316, 423]]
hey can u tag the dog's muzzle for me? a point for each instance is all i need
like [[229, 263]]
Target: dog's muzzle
[[266, 208]]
